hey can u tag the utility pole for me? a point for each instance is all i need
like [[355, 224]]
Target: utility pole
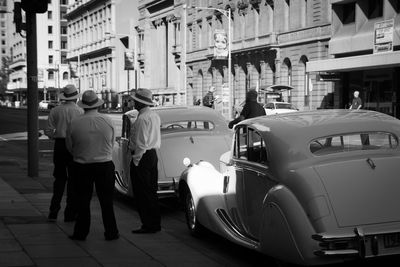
[[31, 7]]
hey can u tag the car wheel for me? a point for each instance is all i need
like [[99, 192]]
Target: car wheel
[[194, 226]]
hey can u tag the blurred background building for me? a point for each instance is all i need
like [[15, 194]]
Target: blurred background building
[[364, 54], [53, 68], [100, 33], [323, 49]]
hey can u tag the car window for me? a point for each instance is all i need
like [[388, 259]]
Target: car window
[[126, 126], [187, 126], [249, 145], [284, 106], [240, 147], [256, 149], [352, 142], [269, 105]]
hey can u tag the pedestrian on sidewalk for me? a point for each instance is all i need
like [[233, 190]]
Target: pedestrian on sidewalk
[[356, 102], [250, 109], [58, 120], [144, 140], [90, 139]]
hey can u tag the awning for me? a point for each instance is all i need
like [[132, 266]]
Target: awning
[[373, 61]]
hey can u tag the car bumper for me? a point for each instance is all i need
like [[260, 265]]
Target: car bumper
[[362, 242], [167, 188]]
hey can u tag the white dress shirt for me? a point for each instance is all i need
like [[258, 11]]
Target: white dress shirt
[[59, 119], [90, 137], [146, 134]]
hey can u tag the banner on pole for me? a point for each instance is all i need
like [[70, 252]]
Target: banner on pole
[[129, 60], [220, 44]]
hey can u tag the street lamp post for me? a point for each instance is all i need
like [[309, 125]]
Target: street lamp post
[[135, 67], [227, 14]]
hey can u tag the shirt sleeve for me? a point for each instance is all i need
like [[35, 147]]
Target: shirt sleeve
[[140, 140], [51, 125]]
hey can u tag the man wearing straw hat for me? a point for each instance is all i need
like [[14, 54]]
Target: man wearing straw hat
[[144, 140], [90, 139], [58, 120]]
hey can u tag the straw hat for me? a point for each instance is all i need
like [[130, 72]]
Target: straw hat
[[143, 96], [90, 100], [69, 93]]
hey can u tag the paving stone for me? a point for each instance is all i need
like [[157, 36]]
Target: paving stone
[[7, 245], [17, 258], [55, 251], [62, 262]]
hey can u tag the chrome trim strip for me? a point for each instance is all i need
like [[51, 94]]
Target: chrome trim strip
[[224, 217], [340, 252]]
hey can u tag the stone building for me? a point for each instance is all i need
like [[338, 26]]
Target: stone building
[[53, 70], [100, 33], [160, 50], [271, 43], [364, 54]]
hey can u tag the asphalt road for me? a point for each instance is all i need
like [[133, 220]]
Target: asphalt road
[[13, 130]]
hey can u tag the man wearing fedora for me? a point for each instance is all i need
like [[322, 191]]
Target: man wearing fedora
[[90, 139], [144, 140], [58, 120]]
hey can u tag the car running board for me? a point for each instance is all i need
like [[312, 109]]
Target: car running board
[[238, 234]]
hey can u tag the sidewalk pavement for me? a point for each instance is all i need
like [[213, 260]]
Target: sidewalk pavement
[[28, 239]]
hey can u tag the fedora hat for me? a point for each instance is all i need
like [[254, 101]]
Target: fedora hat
[[69, 93], [143, 96], [90, 100]]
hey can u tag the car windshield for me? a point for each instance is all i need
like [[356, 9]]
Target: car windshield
[[187, 126], [284, 106], [353, 142]]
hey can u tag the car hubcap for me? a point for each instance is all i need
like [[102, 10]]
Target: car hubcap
[[190, 211]]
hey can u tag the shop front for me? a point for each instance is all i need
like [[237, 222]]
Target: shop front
[[376, 77]]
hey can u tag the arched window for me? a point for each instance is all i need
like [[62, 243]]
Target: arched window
[[65, 75], [287, 76], [200, 86], [50, 75], [303, 80]]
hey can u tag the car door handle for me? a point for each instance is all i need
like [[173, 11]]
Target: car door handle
[[226, 183]]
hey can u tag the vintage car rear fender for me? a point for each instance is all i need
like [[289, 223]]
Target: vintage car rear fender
[[286, 231], [205, 184]]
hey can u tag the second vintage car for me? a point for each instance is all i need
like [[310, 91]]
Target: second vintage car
[[195, 132], [307, 188]]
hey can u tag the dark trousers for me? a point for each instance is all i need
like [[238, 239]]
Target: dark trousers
[[102, 176], [144, 179], [62, 173]]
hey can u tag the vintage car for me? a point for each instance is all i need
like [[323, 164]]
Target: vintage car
[[279, 108], [306, 188], [198, 132]]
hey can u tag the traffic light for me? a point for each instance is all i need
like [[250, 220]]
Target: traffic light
[[34, 6], [17, 17]]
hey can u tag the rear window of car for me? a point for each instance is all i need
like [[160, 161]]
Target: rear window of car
[[352, 142], [284, 106], [187, 126]]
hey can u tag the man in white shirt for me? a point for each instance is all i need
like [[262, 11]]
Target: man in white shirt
[[58, 120], [90, 139], [144, 140]]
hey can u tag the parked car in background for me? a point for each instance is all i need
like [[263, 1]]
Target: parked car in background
[[307, 188], [196, 132], [279, 108], [48, 104]]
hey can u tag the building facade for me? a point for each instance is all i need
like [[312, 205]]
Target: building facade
[[364, 54], [271, 42], [100, 32], [53, 69], [160, 50]]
